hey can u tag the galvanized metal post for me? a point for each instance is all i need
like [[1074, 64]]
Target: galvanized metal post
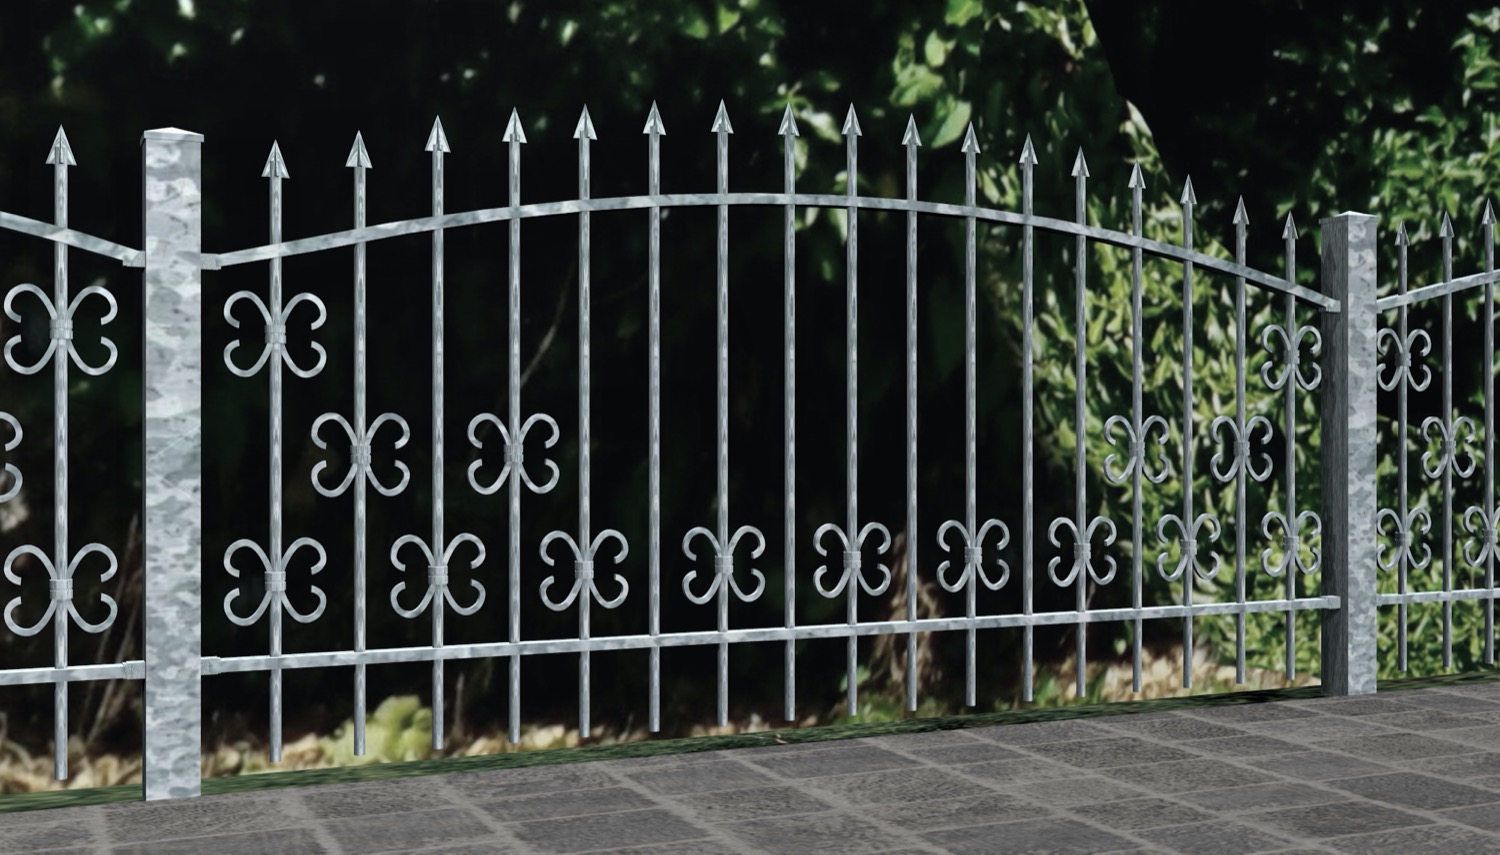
[[1348, 455], [172, 469]]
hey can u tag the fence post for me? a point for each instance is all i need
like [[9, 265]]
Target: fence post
[[172, 470], [1348, 455]]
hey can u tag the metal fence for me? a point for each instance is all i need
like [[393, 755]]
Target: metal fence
[[172, 261]]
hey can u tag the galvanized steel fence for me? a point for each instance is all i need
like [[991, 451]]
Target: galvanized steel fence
[[172, 261]]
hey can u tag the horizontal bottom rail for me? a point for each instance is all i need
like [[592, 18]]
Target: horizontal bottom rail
[[1438, 596], [496, 649], [134, 669]]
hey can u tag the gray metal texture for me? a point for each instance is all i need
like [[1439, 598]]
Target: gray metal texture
[[1348, 525]]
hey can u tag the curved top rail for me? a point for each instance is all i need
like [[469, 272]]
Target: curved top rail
[[420, 225], [86, 242]]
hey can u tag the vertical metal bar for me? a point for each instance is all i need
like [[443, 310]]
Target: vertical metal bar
[[1489, 431], [439, 541], [655, 129], [513, 384], [1028, 161], [911, 141], [360, 476], [1241, 221], [274, 368], [1292, 526], [1137, 186], [60, 459], [970, 394], [789, 556], [1189, 527], [1404, 556], [585, 536], [1080, 453], [171, 466], [1348, 456], [852, 403], [1451, 441], [723, 411]]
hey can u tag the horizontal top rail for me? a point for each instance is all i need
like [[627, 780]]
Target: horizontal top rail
[[1441, 289], [88, 243], [421, 225]]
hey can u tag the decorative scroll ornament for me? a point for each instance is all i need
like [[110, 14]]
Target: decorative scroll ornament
[[973, 555], [1189, 542], [275, 333], [1290, 352], [1402, 370], [1401, 536], [1448, 446], [583, 569], [62, 329], [853, 559], [1241, 457], [359, 445], [1483, 527], [10, 468], [62, 589], [515, 455], [1082, 550], [1135, 454], [724, 564], [437, 575], [275, 580], [1291, 544]]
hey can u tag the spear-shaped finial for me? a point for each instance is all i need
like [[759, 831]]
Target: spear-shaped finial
[[61, 153], [1489, 215], [1080, 166], [910, 138], [1137, 180], [852, 134], [851, 121], [437, 141], [513, 130], [1137, 184], [721, 121], [585, 128], [275, 167], [723, 129], [1446, 232], [1188, 196], [1289, 231], [653, 122], [970, 149], [1401, 238], [358, 157], [788, 123], [1028, 154], [1080, 179], [1241, 219]]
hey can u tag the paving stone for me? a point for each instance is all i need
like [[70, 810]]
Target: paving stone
[[398, 832], [701, 778], [1132, 814], [690, 847], [1318, 765], [953, 755], [1422, 721], [606, 831], [1338, 818], [754, 803], [1038, 732], [1077, 791], [1396, 746], [33, 835], [1213, 838], [1194, 774], [143, 822], [1169, 726], [330, 801], [1249, 713], [1487, 736], [860, 758], [1052, 836], [1322, 727], [567, 803], [1419, 791], [1461, 766], [1259, 796], [901, 785], [505, 783], [962, 812], [834, 834], [1449, 702], [1359, 706], [1485, 818], [929, 739], [1244, 746], [1428, 840], [624, 763], [286, 841], [1009, 772], [1104, 753]]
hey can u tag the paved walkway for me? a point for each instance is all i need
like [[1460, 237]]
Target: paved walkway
[[1406, 772]]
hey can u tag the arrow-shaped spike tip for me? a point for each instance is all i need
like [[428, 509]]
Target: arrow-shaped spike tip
[[653, 122], [721, 120], [1401, 238], [358, 157], [788, 123], [513, 131], [1188, 196], [1240, 217], [1489, 214], [1447, 229], [585, 127], [1137, 180], [1080, 166], [1028, 154], [1289, 232], [851, 121], [911, 137], [971, 144], [60, 144], [437, 140], [275, 167]]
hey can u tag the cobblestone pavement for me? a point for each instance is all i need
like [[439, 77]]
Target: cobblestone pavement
[[1405, 772]]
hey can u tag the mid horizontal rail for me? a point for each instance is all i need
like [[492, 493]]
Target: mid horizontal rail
[[1441, 289], [420, 225], [86, 242], [217, 665]]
